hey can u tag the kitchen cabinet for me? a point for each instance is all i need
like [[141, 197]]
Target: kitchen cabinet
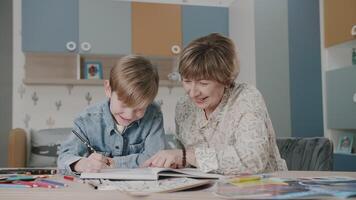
[[341, 98], [344, 162], [49, 26], [104, 27], [156, 28], [198, 21], [79, 26], [339, 20], [59, 36]]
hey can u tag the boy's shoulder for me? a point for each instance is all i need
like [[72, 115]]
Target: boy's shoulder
[[153, 109], [95, 110]]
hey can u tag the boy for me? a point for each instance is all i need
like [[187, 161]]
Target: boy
[[124, 130]]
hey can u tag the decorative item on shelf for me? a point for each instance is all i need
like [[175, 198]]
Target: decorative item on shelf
[[173, 77], [345, 143], [354, 56], [93, 70]]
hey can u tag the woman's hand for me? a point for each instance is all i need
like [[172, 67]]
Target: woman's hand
[[172, 158], [94, 163]]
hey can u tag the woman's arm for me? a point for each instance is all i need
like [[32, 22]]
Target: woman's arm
[[248, 153]]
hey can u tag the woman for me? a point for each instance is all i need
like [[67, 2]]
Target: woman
[[224, 126]]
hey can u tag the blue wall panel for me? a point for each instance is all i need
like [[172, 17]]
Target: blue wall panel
[[305, 68]]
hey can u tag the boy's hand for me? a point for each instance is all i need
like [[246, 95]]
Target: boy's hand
[[166, 158], [94, 163]]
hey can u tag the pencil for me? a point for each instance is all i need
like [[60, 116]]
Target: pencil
[[44, 184], [54, 182], [5, 185], [245, 179], [71, 178]]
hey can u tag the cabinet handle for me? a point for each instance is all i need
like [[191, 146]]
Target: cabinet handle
[[86, 46], [175, 49], [353, 30], [71, 46]]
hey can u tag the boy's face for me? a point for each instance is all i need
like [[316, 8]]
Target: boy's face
[[123, 114]]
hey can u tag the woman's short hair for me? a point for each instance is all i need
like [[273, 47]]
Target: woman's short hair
[[135, 81], [212, 57]]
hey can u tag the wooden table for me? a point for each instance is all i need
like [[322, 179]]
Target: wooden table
[[80, 191]]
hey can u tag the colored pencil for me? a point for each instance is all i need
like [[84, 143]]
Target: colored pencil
[[54, 182], [71, 178], [44, 184], [5, 185]]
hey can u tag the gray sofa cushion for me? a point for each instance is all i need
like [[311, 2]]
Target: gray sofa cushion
[[44, 146], [307, 154]]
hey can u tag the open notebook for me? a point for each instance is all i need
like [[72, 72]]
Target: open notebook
[[143, 188], [147, 174]]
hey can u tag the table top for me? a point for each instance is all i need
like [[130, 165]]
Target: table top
[[82, 191]]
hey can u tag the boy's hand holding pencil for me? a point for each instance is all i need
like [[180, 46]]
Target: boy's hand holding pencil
[[94, 163]]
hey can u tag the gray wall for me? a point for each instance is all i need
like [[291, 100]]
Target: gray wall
[[272, 61], [5, 77]]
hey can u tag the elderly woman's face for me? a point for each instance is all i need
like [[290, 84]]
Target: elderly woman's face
[[206, 94]]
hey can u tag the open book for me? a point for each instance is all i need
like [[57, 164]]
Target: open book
[[143, 188], [147, 174]]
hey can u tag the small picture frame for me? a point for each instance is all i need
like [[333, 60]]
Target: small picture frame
[[345, 143], [93, 70]]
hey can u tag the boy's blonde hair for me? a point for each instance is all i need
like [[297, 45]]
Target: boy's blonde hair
[[135, 81], [212, 57]]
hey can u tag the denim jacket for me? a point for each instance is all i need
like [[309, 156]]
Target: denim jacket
[[129, 149]]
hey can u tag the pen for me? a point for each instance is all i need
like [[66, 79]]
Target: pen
[[90, 148]]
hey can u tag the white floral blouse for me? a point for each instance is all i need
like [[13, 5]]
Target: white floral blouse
[[237, 138]]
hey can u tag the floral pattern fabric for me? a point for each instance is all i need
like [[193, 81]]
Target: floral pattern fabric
[[237, 138]]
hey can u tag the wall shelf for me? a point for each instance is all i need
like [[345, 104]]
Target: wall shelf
[[63, 81], [67, 69], [91, 82]]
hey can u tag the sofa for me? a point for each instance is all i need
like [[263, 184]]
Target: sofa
[[35, 148], [40, 149]]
